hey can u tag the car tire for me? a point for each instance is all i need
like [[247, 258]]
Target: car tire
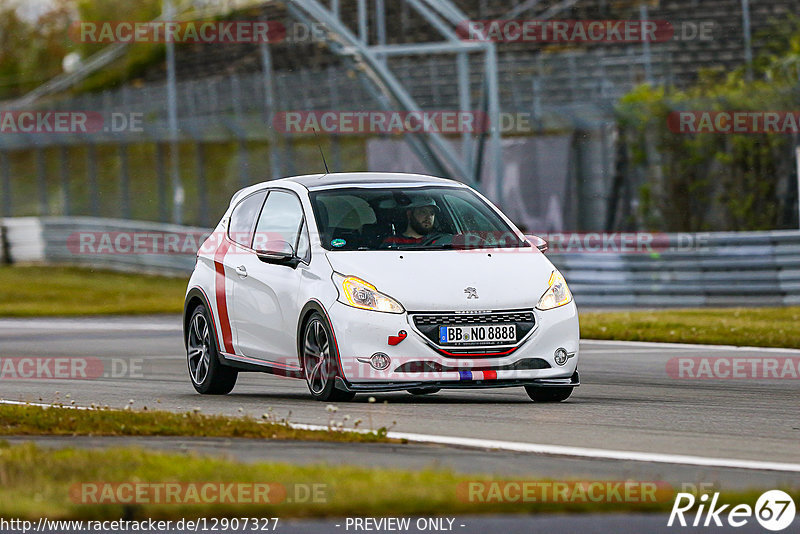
[[548, 394], [319, 361], [207, 373], [423, 391]]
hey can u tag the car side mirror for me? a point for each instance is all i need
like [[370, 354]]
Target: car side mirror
[[538, 242], [278, 253]]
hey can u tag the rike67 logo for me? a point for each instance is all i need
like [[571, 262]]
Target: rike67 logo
[[774, 510]]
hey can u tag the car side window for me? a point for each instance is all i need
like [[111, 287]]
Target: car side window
[[304, 244], [243, 218], [280, 220]]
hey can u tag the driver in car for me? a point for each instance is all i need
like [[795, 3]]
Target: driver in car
[[421, 221]]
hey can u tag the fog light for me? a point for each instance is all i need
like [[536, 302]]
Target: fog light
[[380, 361], [561, 356]]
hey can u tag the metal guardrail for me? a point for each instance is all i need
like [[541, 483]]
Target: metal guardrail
[[716, 269], [720, 269], [94, 242]]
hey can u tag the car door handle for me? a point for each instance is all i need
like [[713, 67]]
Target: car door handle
[[241, 271]]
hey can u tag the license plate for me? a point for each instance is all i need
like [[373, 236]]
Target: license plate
[[478, 333]]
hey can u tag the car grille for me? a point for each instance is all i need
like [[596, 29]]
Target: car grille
[[428, 324], [421, 320]]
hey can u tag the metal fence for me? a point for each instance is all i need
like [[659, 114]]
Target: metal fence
[[237, 105], [715, 269], [226, 140]]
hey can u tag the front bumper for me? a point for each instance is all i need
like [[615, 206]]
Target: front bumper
[[414, 363], [364, 387]]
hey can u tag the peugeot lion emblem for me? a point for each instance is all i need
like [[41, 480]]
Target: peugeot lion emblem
[[471, 292]]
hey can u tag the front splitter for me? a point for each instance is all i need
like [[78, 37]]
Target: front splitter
[[363, 387]]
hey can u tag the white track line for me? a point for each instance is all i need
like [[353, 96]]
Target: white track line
[[535, 448], [86, 326], [43, 405], [582, 452]]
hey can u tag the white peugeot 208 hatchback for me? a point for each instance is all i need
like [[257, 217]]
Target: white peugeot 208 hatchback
[[365, 282]]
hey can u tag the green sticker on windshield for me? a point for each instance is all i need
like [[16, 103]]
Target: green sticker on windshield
[[338, 243]]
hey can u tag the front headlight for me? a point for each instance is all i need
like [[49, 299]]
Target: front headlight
[[558, 294], [356, 292]]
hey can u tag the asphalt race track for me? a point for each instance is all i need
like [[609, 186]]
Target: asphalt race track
[[628, 402]]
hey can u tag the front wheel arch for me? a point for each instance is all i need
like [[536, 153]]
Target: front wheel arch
[[311, 307]]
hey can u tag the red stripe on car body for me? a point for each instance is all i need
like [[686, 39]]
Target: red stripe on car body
[[222, 301]]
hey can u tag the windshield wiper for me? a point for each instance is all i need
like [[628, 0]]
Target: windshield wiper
[[443, 246]]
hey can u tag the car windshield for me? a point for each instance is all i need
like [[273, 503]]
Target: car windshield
[[420, 218]]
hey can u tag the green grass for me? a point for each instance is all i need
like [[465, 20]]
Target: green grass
[[42, 482], [38, 482], [53, 290], [17, 420], [759, 327]]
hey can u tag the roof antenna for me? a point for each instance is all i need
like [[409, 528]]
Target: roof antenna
[[321, 153]]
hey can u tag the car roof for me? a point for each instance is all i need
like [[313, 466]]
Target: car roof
[[338, 179], [314, 182], [323, 181]]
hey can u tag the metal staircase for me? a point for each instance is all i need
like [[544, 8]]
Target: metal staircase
[[440, 156]]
